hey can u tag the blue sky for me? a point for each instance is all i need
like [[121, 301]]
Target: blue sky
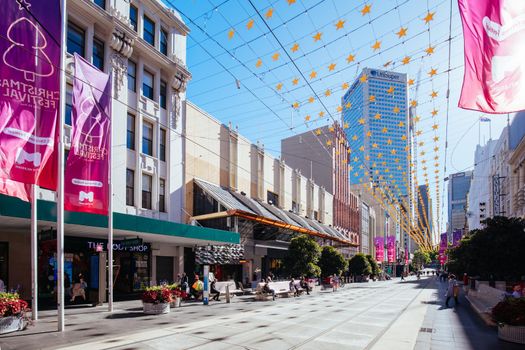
[[264, 113]]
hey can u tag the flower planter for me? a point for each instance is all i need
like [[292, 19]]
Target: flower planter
[[176, 302], [156, 309], [514, 334], [12, 324]]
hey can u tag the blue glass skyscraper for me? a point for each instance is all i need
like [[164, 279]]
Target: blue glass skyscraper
[[375, 111]]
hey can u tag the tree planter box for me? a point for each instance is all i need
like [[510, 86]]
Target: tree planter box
[[175, 302], [12, 324], [514, 334], [156, 309]]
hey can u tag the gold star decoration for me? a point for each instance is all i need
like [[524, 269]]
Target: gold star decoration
[[339, 108], [344, 86], [331, 67], [362, 148], [307, 118], [396, 110], [348, 105], [317, 36], [290, 2], [269, 13], [275, 56], [328, 142], [436, 138], [295, 47], [318, 132], [413, 103], [390, 90], [410, 82], [434, 94], [346, 126], [361, 121], [372, 98], [389, 141], [393, 151], [321, 114], [331, 129], [231, 33], [350, 58], [403, 137], [402, 32], [429, 50], [368, 133], [384, 130], [374, 145], [366, 9], [363, 78], [250, 23], [295, 105], [421, 144], [328, 92], [417, 119], [313, 74], [340, 24], [377, 45], [311, 99], [419, 132], [435, 127], [354, 137], [295, 81], [434, 112], [406, 60], [401, 124], [380, 155], [377, 116], [258, 63], [279, 86], [432, 72], [429, 17]]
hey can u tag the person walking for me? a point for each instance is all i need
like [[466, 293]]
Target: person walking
[[452, 290]]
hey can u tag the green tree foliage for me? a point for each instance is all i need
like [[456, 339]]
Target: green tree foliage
[[373, 264], [359, 265], [434, 255], [331, 262], [421, 258], [495, 250], [303, 256]]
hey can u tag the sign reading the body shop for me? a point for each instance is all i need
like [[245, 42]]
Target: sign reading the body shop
[[120, 246]]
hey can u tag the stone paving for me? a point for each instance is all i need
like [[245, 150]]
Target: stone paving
[[376, 315]]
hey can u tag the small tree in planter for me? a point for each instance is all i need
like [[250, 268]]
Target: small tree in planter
[[510, 316], [376, 271], [331, 262], [359, 266], [12, 313], [156, 300]]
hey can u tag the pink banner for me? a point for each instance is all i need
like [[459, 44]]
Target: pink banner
[[15, 189], [86, 181], [407, 256], [29, 91], [379, 244], [494, 79], [443, 244], [391, 248]]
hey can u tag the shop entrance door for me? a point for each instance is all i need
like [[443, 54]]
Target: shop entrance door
[[4, 263], [164, 269], [124, 278]]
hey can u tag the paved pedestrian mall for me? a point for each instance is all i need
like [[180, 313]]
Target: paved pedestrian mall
[[375, 315]]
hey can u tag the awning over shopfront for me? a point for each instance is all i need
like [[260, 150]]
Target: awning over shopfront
[[265, 214], [16, 213]]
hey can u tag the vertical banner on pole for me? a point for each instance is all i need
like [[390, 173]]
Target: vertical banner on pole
[[391, 248], [29, 91], [456, 237], [379, 244], [86, 179]]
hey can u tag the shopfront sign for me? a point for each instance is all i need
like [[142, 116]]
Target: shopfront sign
[[135, 242], [118, 246]]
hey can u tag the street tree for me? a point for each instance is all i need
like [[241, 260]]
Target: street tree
[[373, 265], [359, 266], [421, 258], [302, 258], [332, 262]]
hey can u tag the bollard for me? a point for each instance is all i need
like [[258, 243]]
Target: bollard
[[228, 293]]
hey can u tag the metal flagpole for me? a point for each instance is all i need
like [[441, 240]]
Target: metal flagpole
[[110, 209], [60, 185], [34, 254]]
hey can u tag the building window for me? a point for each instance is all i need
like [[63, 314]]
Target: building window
[[130, 136], [162, 195], [133, 16], [146, 191], [272, 198], [147, 138], [130, 187], [149, 31], [147, 84], [163, 93], [69, 104], [164, 42], [98, 53], [132, 76], [100, 3], [162, 145], [75, 39]]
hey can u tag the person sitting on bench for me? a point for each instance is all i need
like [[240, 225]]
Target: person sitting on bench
[[266, 289], [214, 292], [304, 285]]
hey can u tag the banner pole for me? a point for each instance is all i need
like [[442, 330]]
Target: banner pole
[[34, 253], [110, 209], [60, 185]]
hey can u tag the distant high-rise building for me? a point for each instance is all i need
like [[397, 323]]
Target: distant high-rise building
[[375, 112], [458, 188], [424, 211]]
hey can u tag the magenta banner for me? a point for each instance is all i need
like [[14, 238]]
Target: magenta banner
[[443, 243], [407, 256], [86, 180], [391, 248], [15, 189], [456, 237], [29, 91], [379, 244], [494, 79]]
